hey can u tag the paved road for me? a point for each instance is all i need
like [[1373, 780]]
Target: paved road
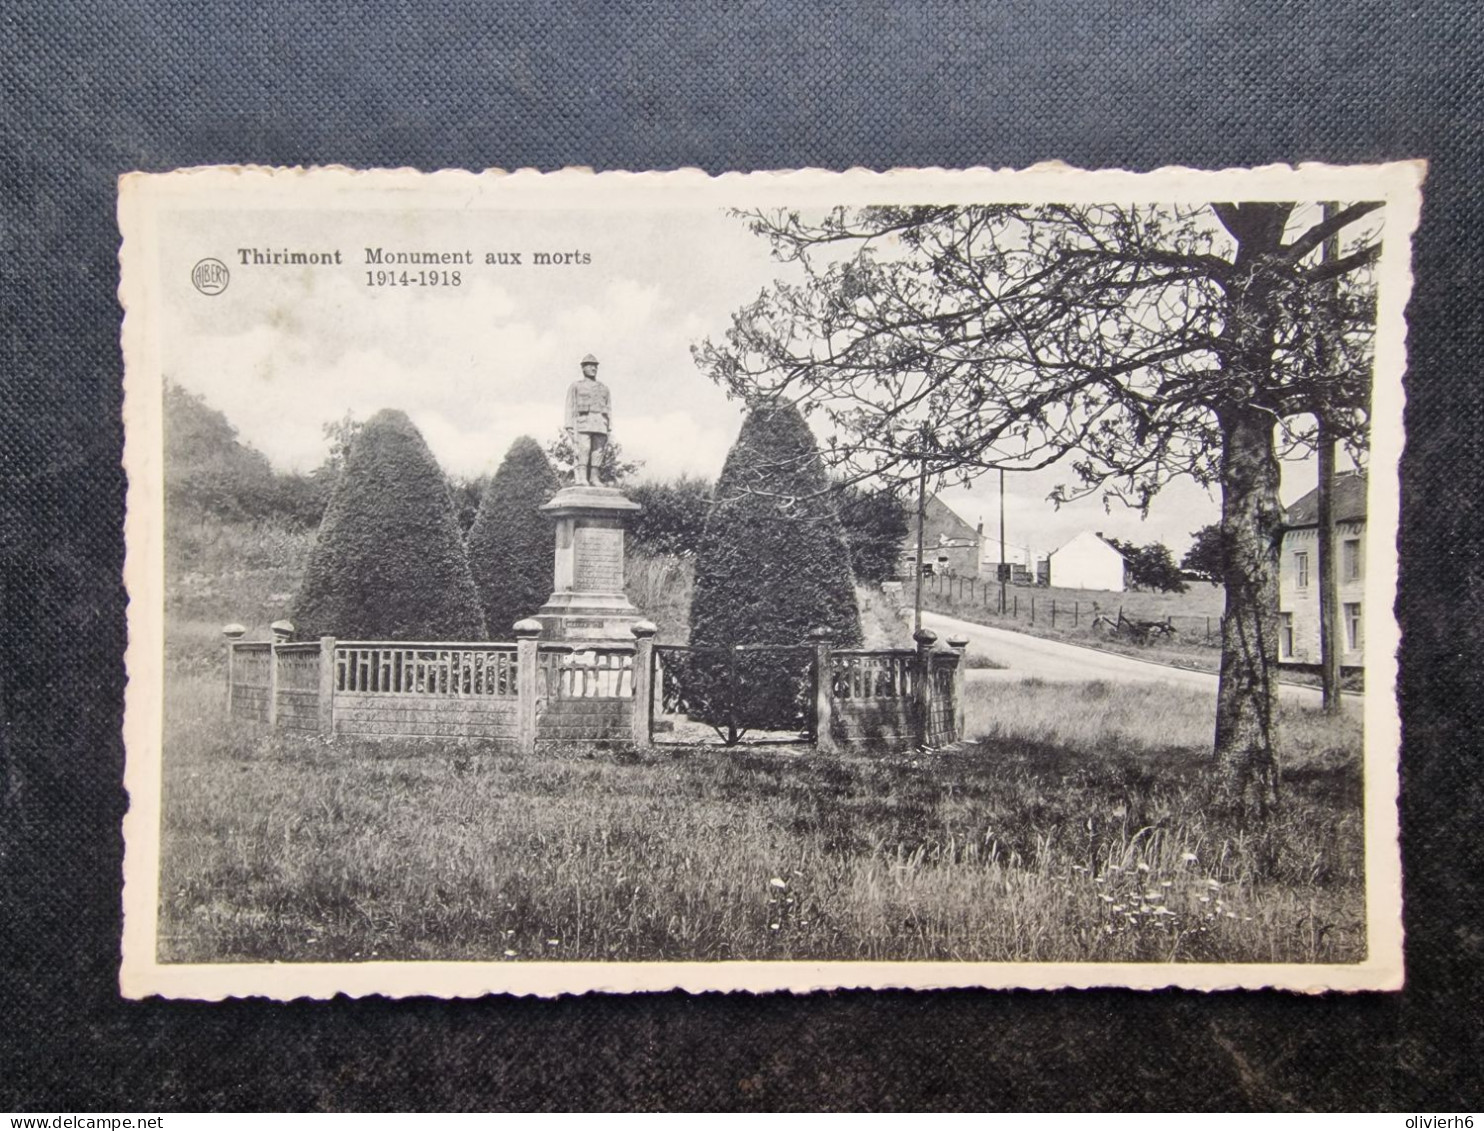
[[1031, 656]]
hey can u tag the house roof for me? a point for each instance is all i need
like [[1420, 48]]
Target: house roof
[[1096, 534], [1347, 502]]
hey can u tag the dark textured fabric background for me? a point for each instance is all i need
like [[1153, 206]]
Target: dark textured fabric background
[[92, 90]]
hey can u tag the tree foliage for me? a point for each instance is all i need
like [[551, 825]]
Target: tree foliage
[[1137, 342], [389, 563], [1204, 558], [1151, 567], [613, 469], [673, 518], [773, 563], [209, 472], [875, 524], [510, 542]]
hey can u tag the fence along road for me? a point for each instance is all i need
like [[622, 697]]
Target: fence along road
[[1027, 657]]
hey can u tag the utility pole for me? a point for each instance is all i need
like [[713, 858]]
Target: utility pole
[[1002, 541], [1329, 591], [921, 522]]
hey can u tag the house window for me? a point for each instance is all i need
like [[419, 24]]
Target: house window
[[1301, 569], [1353, 637], [1285, 636], [1350, 559]]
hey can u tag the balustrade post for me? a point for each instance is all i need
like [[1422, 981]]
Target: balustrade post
[[923, 683], [327, 685], [643, 718], [233, 633], [527, 633], [273, 684], [824, 699], [960, 645]]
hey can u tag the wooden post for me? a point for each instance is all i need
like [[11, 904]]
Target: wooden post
[[526, 671], [824, 700], [960, 645], [1053, 612], [643, 737], [327, 685], [924, 638], [1033, 608]]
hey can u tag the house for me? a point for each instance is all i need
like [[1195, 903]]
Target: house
[[1089, 561], [949, 546], [1298, 573], [1019, 561]]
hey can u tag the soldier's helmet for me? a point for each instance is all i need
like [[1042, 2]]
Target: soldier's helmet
[[589, 360]]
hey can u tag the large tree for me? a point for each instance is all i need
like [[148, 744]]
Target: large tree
[[1204, 557], [389, 562], [773, 562], [510, 543], [1136, 342], [772, 565]]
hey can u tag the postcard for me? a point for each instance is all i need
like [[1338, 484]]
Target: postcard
[[547, 583]]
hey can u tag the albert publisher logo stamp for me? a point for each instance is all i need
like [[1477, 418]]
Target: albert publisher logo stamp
[[210, 276]]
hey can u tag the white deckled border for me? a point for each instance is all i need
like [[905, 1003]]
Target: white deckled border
[[142, 199]]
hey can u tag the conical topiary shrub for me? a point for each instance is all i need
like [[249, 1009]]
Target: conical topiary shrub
[[510, 543], [773, 563], [389, 563]]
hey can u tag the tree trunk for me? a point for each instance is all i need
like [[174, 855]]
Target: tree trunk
[[1246, 760]]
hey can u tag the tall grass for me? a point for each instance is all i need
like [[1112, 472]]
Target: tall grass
[[1080, 844]]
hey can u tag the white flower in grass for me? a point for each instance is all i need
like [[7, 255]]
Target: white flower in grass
[[553, 942], [778, 882], [510, 954], [774, 926], [1187, 857], [1143, 867], [1213, 883]]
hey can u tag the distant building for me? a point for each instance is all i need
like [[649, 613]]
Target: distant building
[[1019, 561], [1089, 561], [1298, 573], [949, 546]]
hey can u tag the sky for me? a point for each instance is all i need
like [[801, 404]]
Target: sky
[[283, 350]]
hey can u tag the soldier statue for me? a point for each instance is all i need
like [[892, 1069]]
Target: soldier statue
[[588, 421]]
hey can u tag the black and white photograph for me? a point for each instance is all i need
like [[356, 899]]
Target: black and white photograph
[[547, 583]]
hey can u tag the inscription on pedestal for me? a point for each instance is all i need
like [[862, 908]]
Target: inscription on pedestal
[[598, 564]]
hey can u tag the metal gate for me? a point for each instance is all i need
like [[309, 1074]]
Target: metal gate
[[761, 693]]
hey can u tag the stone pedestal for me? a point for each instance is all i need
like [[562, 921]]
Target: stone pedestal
[[588, 603]]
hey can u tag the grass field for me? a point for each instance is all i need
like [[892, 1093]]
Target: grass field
[[1065, 834], [1076, 828], [1068, 614]]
